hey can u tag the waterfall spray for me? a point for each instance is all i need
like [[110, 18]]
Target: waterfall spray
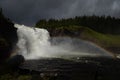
[[34, 43]]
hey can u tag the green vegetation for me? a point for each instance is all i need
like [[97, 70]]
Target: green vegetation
[[3, 42], [103, 24], [104, 40], [104, 31], [8, 37], [15, 77]]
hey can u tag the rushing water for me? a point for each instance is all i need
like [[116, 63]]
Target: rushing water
[[35, 43]]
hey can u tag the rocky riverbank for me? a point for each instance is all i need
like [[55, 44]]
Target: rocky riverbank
[[85, 68]]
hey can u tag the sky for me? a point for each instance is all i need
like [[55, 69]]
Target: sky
[[28, 12]]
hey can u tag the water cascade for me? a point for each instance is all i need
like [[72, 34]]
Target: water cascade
[[35, 43]]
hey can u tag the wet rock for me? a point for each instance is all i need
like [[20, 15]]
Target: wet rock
[[15, 61]]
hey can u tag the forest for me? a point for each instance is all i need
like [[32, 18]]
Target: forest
[[102, 24]]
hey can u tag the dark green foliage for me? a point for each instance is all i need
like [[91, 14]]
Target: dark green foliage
[[8, 36], [103, 24], [7, 29], [14, 77]]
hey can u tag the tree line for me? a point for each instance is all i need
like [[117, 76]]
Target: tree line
[[102, 24]]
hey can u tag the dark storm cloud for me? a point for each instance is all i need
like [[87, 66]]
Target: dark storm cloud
[[30, 11]]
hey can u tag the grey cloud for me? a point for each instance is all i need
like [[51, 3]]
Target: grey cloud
[[30, 11]]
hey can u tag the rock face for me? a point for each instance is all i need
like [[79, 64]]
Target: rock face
[[61, 32], [8, 36]]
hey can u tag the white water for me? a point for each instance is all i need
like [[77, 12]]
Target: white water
[[34, 43]]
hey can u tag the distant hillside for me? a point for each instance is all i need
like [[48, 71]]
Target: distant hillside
[[108, 41], [103, 24]]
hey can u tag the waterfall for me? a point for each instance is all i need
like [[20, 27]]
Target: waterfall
[[35, 43], [32, 42]]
